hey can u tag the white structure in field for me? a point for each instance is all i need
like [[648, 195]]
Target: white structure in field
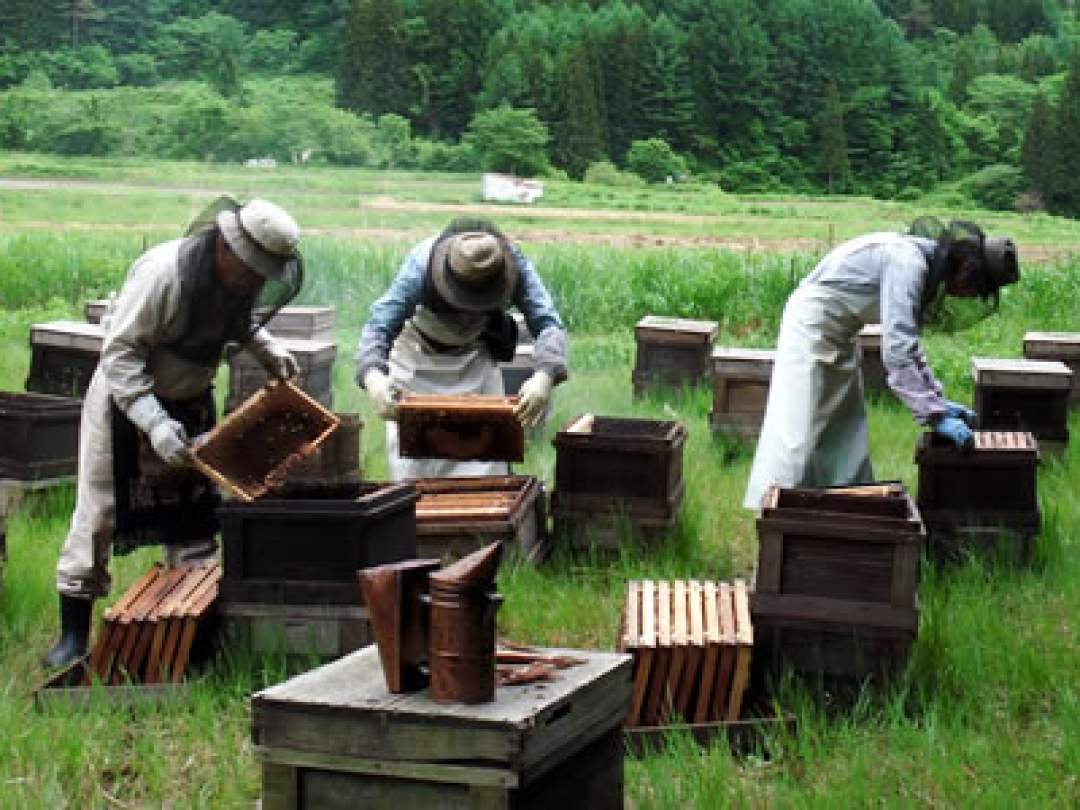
[[507, 188]]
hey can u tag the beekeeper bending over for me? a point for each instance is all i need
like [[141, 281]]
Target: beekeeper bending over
[[165, 333], [815, 430], [443, 324]]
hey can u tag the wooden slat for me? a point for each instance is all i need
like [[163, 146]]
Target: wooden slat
[[693, 657], [744, 636], [726, 666], [711, 654], [662, 655], [677, 646], [642, 654]]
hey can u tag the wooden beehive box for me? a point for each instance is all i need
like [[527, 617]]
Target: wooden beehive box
[[837, 577], [335, 737], [740, 380], [456, 516], [252, 449], [1025, 395], [267, 628], [874, 375], [306, 551], [41, 436], [303, 323], [334, 464], [973, 499], [466, 428], [316, 361], [671, 351], [94, 310], [692, 645], [516, 371], [63, 356], [1061, 346]]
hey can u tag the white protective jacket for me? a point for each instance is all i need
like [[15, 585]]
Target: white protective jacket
[[815, 431]]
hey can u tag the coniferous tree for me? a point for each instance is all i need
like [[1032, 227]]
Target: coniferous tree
[[1040, 154], [577, 132], [373, 74], [833, 157], [1067, 194]]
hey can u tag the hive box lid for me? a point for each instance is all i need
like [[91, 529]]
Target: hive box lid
[[68, 334], [661, 329], [620, 434], [743, 362], [1043, 374], [1052, 345], [870, 336], [344, 708], [308, 353], [302, 321]]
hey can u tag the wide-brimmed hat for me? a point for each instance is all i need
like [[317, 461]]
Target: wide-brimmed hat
[[263, 235], [473, 271]]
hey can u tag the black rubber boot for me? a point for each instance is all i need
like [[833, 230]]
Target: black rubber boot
[[74, 632]]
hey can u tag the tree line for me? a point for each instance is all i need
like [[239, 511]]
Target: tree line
[[890, 98]]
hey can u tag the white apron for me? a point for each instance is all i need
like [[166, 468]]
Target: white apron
[[815, 431], [417, 368]]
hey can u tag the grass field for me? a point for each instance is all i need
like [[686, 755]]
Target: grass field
[[988, 713]]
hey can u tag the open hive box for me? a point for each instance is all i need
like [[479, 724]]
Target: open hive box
[[465, 428], [455, 516], [252, 449]]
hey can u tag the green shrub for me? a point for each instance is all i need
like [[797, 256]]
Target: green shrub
[[995, 187], [137, 69], [509, 140], [605, 173], [654, 160], [437, 156]]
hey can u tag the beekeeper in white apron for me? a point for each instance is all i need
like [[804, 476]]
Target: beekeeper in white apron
[[815, 431], [443, 324]]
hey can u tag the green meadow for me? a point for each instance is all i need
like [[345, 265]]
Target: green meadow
[[988, 711]]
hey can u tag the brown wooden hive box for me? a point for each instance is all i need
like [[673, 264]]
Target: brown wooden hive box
[[306, 551], [740, 380], [316, 361], [63, 357], [1026, 395], [837, 572], [1061, 346], [41, 436], [870, 363], [692, 643], [336, 462], [973, 501], [321, 631], [671, 351], [466, 428], [93, 310], [456, 516], [335, 737]]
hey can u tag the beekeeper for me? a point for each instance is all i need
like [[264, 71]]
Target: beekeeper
[[443, 324], [815, 429], [165, 334]]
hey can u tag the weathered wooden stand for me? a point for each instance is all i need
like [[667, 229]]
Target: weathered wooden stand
[[983, 501], [836, 590], [336, 738], [671, 351], [1061, 346], [1024, 395], [612, 469], [316, 361], [63, 356], [740, 379]]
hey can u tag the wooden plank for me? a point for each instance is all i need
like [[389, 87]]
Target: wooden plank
[[711, 654], [726, 666], [693, 652], [821, 609], [744, 636], [195, 614], [678, 644], [654, 705], [161, 649]]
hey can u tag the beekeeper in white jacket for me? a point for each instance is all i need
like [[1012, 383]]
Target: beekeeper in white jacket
[[443, 324], [815, 430], [165, 334]]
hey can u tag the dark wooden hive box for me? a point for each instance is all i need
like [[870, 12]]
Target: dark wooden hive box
[[1061, 346], [966, 497], [606, 462], [837, 567], [871, 365], [671, 351], [1026, 395], [456, 516], [41, 436], [316, 361], [307, 551], [466, 428], [335, 737], [63, 357]]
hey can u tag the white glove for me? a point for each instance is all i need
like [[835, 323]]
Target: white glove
[[533, 399], [383, 393], [170, 442], [281, 364]]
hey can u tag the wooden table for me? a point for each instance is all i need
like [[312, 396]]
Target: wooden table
[[335, 737]]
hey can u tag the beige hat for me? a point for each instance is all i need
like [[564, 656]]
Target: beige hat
[[472, 271], [263, 235]]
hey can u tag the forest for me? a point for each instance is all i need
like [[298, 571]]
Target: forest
[[976, 101]]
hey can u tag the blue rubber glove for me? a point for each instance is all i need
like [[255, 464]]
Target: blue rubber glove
[[955, 409], [955, 430]]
